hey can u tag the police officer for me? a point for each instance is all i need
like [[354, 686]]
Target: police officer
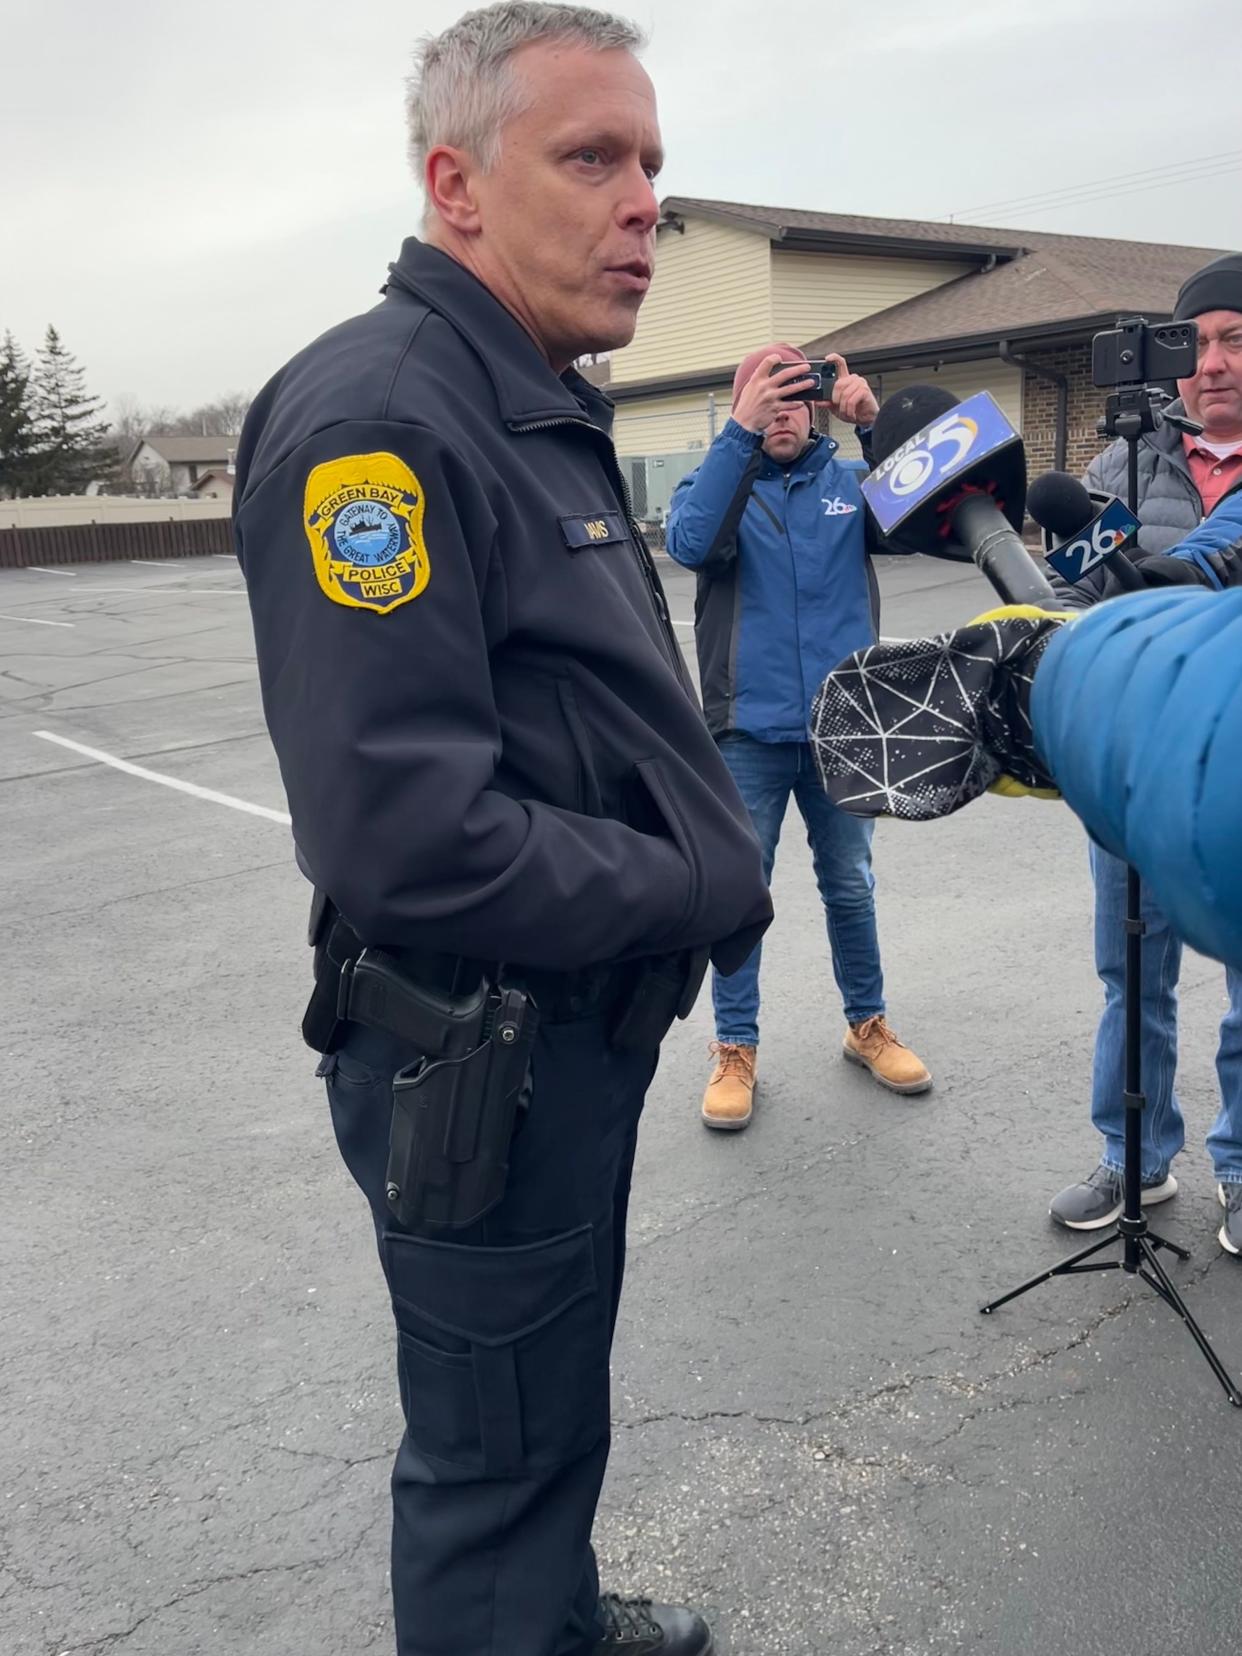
[[507, 801]]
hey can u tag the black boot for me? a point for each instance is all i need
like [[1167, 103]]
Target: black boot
[[636, 1627]]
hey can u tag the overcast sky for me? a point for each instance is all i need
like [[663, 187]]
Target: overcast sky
[[191, 193]]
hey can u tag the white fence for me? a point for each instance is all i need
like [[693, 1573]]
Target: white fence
[[64, 511]]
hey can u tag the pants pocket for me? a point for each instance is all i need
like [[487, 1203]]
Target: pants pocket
[[503, 1351]]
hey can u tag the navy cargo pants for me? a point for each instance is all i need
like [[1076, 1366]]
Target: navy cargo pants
[[504, 1332]]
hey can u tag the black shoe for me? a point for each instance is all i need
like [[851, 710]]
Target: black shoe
[[636, 1627], [1099, 1199], [1230, 1233]]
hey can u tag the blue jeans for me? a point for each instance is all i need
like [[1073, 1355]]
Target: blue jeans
[[1164, 1131], [766, 774]]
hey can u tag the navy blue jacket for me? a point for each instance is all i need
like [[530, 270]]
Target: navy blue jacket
[[1137, 712], [483, 722], [785, 586]]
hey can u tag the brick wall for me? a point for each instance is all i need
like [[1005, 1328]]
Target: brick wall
[[1039, 411]]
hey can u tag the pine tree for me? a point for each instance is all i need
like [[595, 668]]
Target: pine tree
[[17, 435], [69, 433]]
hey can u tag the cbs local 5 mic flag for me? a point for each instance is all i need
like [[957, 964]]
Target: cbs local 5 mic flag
[[1103, 536], [947, 448]]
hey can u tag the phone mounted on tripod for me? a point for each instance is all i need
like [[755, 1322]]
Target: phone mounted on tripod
[[1137, 361]]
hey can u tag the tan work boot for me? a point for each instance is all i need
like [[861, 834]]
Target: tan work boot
[[873, 1044], [728, 1102]]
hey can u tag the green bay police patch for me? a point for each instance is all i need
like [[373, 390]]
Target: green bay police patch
[[364, 520]]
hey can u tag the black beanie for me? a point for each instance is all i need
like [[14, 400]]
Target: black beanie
[[1217, 286]]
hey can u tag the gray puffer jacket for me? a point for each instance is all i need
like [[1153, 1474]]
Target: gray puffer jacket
[[1169, 504]]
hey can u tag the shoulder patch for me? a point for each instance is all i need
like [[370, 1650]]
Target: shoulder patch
[[363, 516]]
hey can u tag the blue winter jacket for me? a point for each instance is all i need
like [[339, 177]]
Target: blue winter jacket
[[785, 584], [1137, 712], [1215, 546]]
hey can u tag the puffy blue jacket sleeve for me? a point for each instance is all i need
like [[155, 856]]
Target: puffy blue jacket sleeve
[[1216, 533], [1137, 712], [707, 506]]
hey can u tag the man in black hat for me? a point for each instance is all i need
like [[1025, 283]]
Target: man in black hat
[[1182, 479]]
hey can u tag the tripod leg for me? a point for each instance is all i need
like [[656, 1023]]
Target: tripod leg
[[1064, 1268], [1163, 1284], [1163, 1242]]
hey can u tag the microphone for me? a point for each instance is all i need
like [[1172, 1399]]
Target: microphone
[[1078, 538], [950, 481]]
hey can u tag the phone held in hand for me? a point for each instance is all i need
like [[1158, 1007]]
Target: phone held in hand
[[823, 376]]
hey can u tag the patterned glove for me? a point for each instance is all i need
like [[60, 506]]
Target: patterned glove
[[917, 728]]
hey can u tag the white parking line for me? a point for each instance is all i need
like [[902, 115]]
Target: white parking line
[[163, 591], [228, 555], [37, 569], [141, 771], [32, 622], [154, 563]]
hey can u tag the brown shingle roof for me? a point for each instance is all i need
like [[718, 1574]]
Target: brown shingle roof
[[1040, 279], [786, 223], [190, 450], [1048, 286]]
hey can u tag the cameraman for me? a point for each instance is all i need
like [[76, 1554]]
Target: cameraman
[[1182, 479], [773, 524]]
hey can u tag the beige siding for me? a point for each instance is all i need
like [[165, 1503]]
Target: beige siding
[[667, 425], [709, 303], [963, 379], [812, 293]]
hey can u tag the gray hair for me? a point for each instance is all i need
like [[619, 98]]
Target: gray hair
[[462, 89]]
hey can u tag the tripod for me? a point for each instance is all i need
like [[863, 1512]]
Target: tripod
[[1129, 413]]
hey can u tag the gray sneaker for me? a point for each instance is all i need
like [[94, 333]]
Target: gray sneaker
[[1099, 1199], [1230, 1233]]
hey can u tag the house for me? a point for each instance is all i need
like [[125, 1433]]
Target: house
[[970, 307], [216, 483], [173, 465]]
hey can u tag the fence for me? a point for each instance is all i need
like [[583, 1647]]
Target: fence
[[111, 542]]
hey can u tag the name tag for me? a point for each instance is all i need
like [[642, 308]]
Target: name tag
[[593, 529]]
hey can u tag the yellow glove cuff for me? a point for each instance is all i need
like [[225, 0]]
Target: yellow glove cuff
[[1020, 612], [1010, 788]]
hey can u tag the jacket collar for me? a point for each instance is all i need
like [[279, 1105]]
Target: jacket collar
[[526, 388], [812, 460]]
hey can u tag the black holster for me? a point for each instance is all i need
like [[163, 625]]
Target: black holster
[[453, 1121], [455, 1107]]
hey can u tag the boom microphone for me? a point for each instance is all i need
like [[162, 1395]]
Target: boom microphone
[[950, 481]]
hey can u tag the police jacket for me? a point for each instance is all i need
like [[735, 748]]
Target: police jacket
[[484, 727], [786, 589]]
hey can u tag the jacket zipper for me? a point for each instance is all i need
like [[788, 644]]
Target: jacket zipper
[[793, 564], [639, 544]]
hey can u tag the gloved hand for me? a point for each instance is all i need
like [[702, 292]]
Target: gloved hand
[[917, 728], [1160, 570]]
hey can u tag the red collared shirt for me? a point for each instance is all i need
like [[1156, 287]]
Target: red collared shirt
[[1212, 476]]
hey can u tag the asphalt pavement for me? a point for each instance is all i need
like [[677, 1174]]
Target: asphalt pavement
[[818, 1440]]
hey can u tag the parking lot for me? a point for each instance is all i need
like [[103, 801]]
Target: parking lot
[[819, 1440]]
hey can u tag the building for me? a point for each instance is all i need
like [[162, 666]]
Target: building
[[174, 465], [216, 483], [974, 308]]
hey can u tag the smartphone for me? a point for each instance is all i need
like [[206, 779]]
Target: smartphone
[[823, 376]]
